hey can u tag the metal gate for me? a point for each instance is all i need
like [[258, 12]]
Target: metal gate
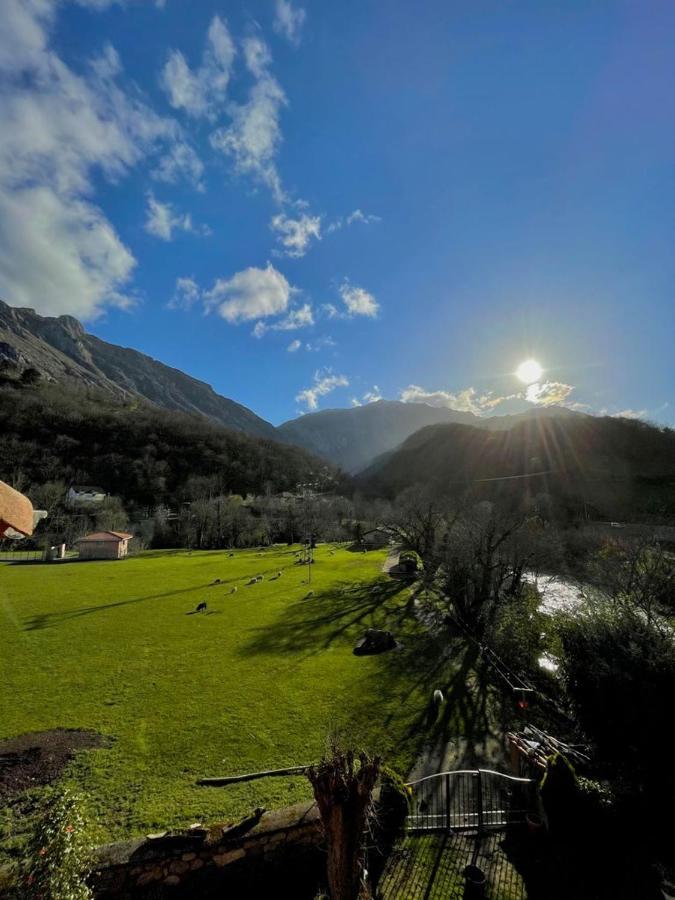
[[469, 799]]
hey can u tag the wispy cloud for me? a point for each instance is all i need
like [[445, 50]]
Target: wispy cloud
[[296, 235], [300, 317], [369, 397], [356, 216], [253, 137], [288, 20], [186, 293], [179, 162], [294, 346], [320, 343], [548, 393], [201, 92], [467, 400], [162, 220], [481, 403], [630, 414], [324, 383]]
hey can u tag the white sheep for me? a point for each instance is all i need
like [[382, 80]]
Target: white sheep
[[234, 590], [309, 594], [438, 697]]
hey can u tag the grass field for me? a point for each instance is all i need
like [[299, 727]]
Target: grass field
[[256, 683]]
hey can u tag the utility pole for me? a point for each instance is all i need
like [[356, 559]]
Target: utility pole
[[310, 556]]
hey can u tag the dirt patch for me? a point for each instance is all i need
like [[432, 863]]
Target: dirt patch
[[38, 758]]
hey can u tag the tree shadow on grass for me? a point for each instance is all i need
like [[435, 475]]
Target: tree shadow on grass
[[314, 623], [426, 661], [56, 618], [447, 662]]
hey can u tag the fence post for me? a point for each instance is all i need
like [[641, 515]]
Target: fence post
[[479, 799], [447, 802]]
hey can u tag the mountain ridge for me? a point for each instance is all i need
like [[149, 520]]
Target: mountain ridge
[[355, 438], [60, 348], [607, 464]]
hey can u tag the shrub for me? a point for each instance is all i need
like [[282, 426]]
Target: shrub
[[58, 855], [560, 795]]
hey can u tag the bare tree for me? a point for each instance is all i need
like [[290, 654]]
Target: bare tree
[[417, 520], [638, 574], [481, 563]]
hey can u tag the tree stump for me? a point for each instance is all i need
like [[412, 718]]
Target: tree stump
[[343, 788]]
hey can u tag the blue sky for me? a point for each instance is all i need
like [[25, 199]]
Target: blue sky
[[311, 204]]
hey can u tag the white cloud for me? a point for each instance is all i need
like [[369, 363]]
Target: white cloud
[[300, 317], [59, 256], [359, 216], [330, 310], [468, 400], [548, 393], [320, 344], [288, 20], [358, 301], [294, 346], [356, 216], [250, 294], [369, 397], [162, 220], [180, 161], [186, 294], [630, 414], [201, 92], [253, 137], [324, 382], [59, 253], [295, 235]]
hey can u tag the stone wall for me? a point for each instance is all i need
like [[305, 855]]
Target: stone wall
[[211, 859]]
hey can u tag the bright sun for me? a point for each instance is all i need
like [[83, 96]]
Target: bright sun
[[529, 371]]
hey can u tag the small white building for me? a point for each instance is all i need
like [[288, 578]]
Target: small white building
[[85, 495], [104, 545]]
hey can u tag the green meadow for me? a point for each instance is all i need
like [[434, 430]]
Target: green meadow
[[258, 682]]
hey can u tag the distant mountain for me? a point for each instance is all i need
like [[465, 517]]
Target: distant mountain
[[613, 466], [61, 349], [353, 438]]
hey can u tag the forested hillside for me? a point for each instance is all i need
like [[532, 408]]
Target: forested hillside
[[607, 467], [140, 453]]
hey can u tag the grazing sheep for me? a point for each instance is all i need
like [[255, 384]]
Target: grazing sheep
[[201, 607], [259, 577], [234, 590], [438, 697], [309, 594], [253, 581], [278, 574], [217, 581]]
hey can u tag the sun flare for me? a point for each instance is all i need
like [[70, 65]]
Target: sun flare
[[529, 371]]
